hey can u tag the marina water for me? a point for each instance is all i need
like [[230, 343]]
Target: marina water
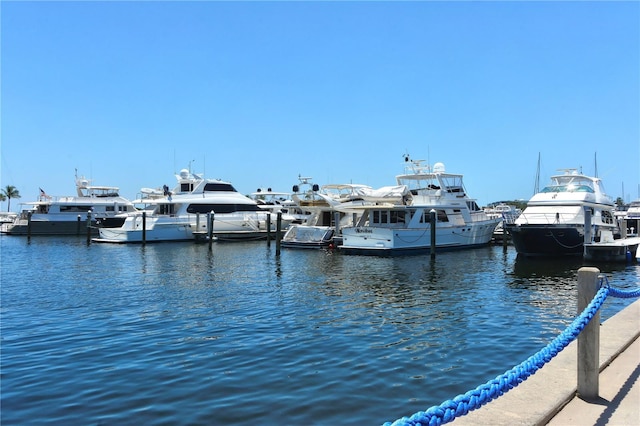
[[174, 333]]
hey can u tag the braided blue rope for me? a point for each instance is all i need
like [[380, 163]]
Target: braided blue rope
[[617, 292], [483, 394]]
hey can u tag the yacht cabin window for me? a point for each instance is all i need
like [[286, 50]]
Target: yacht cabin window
[[441, 216]]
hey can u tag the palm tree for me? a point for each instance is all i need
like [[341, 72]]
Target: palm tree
[[9, 192]]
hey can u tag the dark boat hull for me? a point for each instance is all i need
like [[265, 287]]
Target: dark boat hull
[[547, 240]]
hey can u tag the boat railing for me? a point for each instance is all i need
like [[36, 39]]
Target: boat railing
[[549, 218]]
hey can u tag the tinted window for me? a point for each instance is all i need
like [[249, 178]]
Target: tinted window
[[222, 208], [212, 187]]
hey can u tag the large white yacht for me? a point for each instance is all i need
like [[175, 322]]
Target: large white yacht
[[68, 215], [403, 225], [184, 212], [553, 223]]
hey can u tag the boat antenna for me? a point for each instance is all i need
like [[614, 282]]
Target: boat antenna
[[595, 160], [536, 187]]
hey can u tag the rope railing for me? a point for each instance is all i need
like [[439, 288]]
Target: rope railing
[[462, 404]]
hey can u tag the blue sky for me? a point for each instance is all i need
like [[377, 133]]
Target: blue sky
[[257, 93]]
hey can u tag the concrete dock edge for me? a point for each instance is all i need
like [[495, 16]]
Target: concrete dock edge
[[538, 399]]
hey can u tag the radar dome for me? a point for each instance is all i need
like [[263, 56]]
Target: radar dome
[[438, 167], [184, 173]]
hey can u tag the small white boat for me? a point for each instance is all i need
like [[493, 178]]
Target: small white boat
[[404, 225], [185, 213], [507, 215], [553, 223], [68, 215]]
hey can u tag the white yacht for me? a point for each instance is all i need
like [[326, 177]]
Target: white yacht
[[184, 213], [68, 215], [553, 223], [402, 225]]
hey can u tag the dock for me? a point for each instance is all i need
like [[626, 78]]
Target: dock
[[549, 397], [610, 250]]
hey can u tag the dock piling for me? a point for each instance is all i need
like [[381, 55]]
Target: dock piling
[[589, 338], [29, 226], [432, 217], [268, 229], [89, 227], [278, 232], [210, 218], [144, 227]]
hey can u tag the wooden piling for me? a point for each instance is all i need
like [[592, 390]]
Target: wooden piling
[[144, 227], [268, 229], [29, 225], [589, 338], [432, 217], [89, 227], [210, 218], [278, 232]]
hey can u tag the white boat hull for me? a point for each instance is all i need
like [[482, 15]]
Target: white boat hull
[[389, 241], [164, 228]]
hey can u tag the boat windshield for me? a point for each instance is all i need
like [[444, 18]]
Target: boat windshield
[[568, 188]]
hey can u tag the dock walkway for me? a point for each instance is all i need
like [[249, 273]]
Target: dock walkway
[[549, 396]]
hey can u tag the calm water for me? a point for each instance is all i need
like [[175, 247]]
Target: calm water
[[175, 334]]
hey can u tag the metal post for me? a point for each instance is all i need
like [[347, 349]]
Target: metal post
[[268, 229], [432, 217], [278, 233], [589, 338], [144, 227], [78, 227]]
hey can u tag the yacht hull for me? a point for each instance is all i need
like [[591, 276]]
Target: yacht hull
[[48, 228], [401, 241], [547, 240]]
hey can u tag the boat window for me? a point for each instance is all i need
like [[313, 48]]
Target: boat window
[[568, 188], [219, 187], [186, 187], [473, 206], [166, 209], [74, 209], [381, 216], [222, 208], [397, 217], [441, 216]]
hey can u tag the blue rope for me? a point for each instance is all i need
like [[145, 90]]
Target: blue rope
[[617, 292], [483, 394]]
